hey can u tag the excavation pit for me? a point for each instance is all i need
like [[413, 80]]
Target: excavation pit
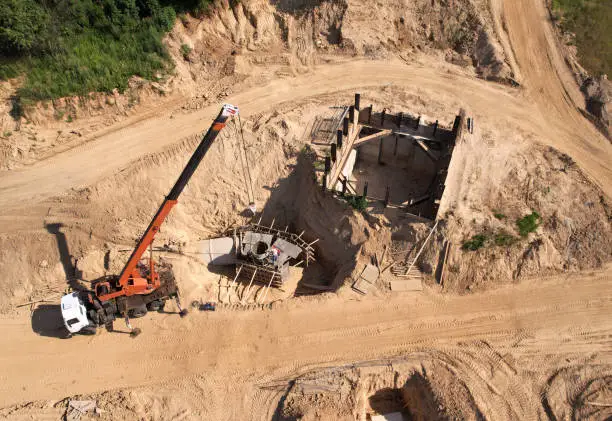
[[397, 162]]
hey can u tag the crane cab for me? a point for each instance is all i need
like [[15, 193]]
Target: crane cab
[[74, 312]]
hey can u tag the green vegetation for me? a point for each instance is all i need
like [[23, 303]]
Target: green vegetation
[[497, 214], [185, 50], [590, 21], [528, 223], [68, 47], [358, 202], [504, 239], [475, 243]]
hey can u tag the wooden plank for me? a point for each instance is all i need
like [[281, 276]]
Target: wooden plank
[[426, 149], [362, 140]]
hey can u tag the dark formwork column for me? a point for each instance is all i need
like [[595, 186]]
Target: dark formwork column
[[418, 123], [339, 137], [351, 113], [357, 101], [333, 152], [387, 195], [435, 130], [382, 117], [370, 115], [345, 126], [400, 117], [380, 151], [344, 181], [365, 189]]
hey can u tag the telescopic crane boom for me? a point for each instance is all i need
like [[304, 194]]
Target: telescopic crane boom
[[137, 288], [131, 281]]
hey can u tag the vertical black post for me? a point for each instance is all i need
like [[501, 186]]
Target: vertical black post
[[357, 101], [395, 148], [435, 128], [469, 124], [327, 164], [380, 151], [333, 152], [370, 115], [345, 126], [382, 117], [344, 181], [339, 136], [365, 189], [387, 194], [456, 127], [400, 117], [324, 185], [418, 122], [351, 113]]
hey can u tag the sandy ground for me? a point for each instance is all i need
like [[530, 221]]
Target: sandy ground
[[547, 319], [239, 365]]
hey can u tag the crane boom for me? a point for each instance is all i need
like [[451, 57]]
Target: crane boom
[[131, 281]]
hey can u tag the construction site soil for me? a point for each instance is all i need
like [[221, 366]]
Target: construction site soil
[[517, 330]]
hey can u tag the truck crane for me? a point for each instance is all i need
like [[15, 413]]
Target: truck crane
[[139, 287]]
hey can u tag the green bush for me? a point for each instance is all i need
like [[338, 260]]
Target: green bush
[[68, 47], [475, 243], [357, 202], [499, 215], [528, 223], [185, 50]]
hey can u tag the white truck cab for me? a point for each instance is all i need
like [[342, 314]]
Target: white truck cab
[[74, 312]]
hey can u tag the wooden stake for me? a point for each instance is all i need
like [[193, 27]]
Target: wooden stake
[[262, 299], [229, 287], [422, 247], [248, 288], [313, 242]]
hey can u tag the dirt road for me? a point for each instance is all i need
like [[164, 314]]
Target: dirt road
[[115, 150], [286, 339]]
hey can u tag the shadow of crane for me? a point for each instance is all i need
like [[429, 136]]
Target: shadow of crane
[[70, 269]]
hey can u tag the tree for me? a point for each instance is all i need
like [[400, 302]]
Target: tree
[[21, 24]]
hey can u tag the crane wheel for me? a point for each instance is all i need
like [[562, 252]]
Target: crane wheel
[[135, 332], [183, 313], [136, 312]]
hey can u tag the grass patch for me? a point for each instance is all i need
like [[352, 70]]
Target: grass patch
[[357, 202], [504, 239], [475, 243], [590, 21], [528, 223], [185, 50], [497, 214]]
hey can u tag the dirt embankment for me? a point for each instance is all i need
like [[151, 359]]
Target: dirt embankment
[[250, 42]]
